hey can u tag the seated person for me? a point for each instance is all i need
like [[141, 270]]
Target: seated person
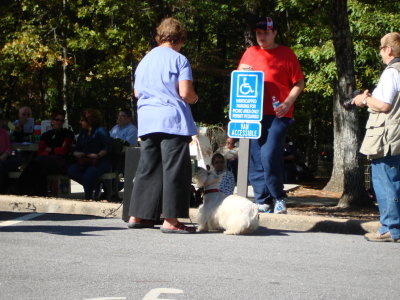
[[124, 129], [227, 183], [22, 131], [92, 153], [219, 172], [125, 132], [52, 158], [230, 153], [3, 121], [8, 162], [289, 159], [295, 170], [23, 127]]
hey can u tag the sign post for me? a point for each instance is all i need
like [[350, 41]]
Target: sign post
[[245, 113]]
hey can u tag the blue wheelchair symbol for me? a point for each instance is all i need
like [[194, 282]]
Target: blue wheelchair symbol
[[247, 86]]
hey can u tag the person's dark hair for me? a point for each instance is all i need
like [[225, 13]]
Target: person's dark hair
[[92, 117], [217, 156], [170, 30], [57, 112], [126, 111]]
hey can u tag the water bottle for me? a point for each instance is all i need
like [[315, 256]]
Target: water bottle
[[37, 131], [275, 102]]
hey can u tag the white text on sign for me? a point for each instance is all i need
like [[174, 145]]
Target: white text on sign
[[250, 130]]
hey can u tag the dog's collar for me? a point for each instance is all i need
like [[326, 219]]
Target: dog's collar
[[211, 191]]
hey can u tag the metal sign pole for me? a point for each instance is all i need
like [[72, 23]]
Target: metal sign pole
[[245, 114], [244, 146]]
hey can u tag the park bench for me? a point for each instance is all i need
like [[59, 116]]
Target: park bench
[[60, 185]]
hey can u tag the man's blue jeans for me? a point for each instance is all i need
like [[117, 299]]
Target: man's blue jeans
[[266, 170], [386, 182]]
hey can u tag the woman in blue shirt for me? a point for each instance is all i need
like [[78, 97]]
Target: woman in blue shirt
[[163, 85], [92, 152]]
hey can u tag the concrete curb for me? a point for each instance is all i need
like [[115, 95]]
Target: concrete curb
[[317, 224], [12, 203], [59, 206]]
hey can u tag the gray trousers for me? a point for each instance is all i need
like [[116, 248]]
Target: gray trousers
[[163, 178]]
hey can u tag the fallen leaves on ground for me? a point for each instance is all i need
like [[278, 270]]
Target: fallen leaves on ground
[[370, 213]]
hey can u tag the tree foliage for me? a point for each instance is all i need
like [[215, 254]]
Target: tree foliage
[[86, 51]]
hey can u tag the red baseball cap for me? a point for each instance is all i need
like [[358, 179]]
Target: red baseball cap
[[265, 24]]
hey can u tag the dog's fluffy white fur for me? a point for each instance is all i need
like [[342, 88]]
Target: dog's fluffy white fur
[[233, 214]]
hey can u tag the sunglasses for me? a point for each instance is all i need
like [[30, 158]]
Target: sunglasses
[[59, 120]]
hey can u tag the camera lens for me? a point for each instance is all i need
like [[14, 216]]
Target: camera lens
[[347, 104]]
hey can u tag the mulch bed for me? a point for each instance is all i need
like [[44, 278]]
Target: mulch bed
[[314, 190]]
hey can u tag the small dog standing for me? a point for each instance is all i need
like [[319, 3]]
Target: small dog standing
[[234, 214]]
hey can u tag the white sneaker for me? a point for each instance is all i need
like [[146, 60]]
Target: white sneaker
[[280, 206], [264, 208]]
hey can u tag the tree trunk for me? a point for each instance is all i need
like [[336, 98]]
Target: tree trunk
[[64, 67], [42, 94], [133, 100], [336, 181], [347, 174], [65, 81], [251, 18], [311, 158]]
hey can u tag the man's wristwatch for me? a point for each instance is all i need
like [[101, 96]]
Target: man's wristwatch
[[364, 101]]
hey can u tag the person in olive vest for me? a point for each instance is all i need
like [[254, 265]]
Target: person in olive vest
[[382, 140]]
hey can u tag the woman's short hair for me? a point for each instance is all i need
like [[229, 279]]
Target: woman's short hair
[[92, 117], [126, 111], [58, 112], [392, 39], [217, 156], [170, 30]]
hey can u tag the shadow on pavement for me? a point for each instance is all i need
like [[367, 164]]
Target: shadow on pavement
[[61, 230], [48, 217], [264, 231], [348, 227]]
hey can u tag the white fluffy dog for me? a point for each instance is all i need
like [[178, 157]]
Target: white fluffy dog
[[234, 214]]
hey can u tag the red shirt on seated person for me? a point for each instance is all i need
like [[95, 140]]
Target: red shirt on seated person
[[52, 158]]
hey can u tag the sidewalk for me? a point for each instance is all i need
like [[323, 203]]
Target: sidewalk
[[75, 205]]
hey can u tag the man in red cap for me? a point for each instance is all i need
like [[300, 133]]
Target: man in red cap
[[283, 82]]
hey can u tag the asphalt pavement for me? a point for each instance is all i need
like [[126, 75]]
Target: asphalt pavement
[[58, 256], [75, 205]]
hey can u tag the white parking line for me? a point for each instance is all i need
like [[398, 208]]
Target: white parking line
[[154, 293], [20, 219], [106, 298]]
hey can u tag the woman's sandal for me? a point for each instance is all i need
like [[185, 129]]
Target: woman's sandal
[[178, 228], [143, 223]]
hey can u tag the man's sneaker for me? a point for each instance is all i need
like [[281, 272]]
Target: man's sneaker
[[377, 237], [280, 206], [264, 208]]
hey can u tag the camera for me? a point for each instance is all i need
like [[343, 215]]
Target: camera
[[347, 103]]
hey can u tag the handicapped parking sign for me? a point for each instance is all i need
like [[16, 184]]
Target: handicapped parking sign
[[246, 101], [245, 113], [246, 86]]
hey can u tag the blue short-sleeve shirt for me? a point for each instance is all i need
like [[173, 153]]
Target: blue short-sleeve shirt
[[127, 133], [160, 108], [99, 140]]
